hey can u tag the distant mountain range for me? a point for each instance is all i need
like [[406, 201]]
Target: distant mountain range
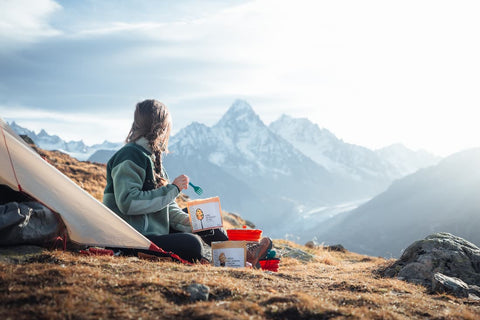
[[441, 198], [76, 149], [349, 160], [277, 175]]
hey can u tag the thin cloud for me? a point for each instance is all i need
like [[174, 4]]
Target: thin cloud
[[71, 126], [23, 22], [28, 114]]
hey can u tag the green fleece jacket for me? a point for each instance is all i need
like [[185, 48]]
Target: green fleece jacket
[[130, 192]]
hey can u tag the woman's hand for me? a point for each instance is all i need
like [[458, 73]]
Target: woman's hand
[[181, 182]]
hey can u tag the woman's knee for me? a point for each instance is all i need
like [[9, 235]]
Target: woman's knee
[[192, 244], [194, 240]]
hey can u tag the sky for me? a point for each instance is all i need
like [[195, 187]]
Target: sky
[[374, 73]]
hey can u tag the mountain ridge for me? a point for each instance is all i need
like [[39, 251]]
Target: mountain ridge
[[77, 149], [241, 146], [440, 198]]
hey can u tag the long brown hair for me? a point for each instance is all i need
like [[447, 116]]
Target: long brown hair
[[152, 121]]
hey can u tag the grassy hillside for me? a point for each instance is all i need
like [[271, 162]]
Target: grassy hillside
[[332, 285], [64, 285]]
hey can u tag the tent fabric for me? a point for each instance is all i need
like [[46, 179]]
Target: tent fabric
[[87, 220]]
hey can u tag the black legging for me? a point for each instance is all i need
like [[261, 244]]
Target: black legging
[[188, 245]]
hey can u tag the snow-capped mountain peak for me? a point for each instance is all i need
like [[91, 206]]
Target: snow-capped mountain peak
[[240, 107], [189, 139], [43, 133], [240, 116], [20, 130]]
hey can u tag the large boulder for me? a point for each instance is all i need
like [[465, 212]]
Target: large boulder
[[445, 255]]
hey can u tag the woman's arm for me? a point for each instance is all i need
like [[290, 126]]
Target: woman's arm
[[128, 178], [179, 220]]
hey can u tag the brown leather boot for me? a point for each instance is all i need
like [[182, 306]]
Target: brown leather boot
[[258, 251]]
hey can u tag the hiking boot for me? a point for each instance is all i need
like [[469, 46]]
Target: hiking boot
[[258, 251]]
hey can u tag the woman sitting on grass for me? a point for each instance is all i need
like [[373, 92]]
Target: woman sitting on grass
[[139, 191]]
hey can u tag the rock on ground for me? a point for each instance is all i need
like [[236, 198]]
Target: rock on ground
[[198, 292], [450, 257]]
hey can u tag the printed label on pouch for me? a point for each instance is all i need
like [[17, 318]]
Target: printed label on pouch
[[205, 214], [229, 254]]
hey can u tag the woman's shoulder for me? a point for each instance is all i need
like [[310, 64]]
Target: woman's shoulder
[[135, 148], [131, 151]]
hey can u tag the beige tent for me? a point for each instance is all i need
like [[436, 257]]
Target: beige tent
[[87, 220]]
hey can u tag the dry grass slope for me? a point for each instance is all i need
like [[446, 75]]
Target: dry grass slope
[[64, 285], [335, 285]]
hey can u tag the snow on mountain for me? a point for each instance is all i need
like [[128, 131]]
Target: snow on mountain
[[251, 147], [406, 161], [319, 144], [241, 146], [246, 148], [346, 159], [76, 149], [193, 140]]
